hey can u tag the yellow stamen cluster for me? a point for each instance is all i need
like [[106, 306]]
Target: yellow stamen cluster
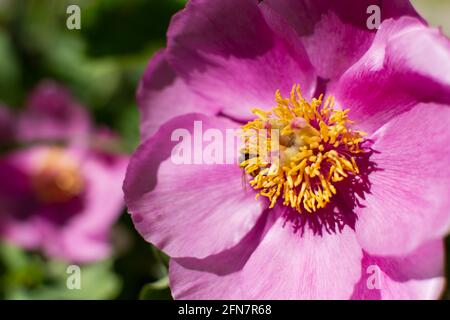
[[57, 177], [299, 150]]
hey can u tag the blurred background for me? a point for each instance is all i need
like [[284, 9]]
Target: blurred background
[[100, 65]]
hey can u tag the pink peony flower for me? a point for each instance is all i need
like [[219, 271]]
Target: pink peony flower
[[60, 196], [355, 206]]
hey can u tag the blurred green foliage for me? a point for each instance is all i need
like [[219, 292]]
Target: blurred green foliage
[[28, 276]]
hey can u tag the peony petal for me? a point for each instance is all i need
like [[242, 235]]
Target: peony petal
[[292, 265], [408, 201], [418, 276], [217, 276], [194, 210], [162, 95], [397, 72], [335, 33], [17, 204], [226, 51], [53, 114]]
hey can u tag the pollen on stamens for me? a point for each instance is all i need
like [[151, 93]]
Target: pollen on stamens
[[299, 150]]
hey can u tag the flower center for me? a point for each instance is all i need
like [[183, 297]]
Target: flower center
[[57, 178], [299, 150]]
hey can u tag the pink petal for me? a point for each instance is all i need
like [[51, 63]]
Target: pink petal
[[194, 210], [53, 114], [418, 276], [334, 33], [26, 234], [227, 51], [217, 276], [162, 95], [17, 223], [408, 201], [291, 265], [408, 63]]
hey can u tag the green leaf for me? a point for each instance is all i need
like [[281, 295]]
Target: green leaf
[[12, 257], [158, 290], [128, 125], [10, 70]]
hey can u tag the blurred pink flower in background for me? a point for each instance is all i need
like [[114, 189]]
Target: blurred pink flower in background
[[61, 194]]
